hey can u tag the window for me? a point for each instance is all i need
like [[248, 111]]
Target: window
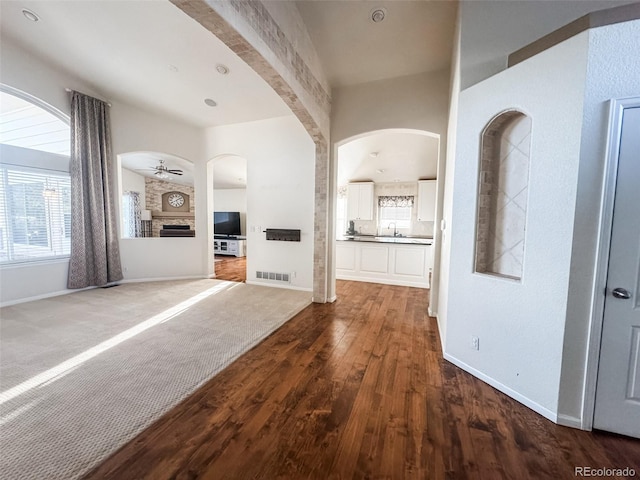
[[131, 215], [35, 215], [35, 189], [395, 210], [24, 124]]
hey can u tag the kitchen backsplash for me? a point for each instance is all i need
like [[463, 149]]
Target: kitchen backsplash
[[369, 227]]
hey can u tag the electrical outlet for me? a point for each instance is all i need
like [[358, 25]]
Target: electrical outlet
[[475, 343], [293, 274]]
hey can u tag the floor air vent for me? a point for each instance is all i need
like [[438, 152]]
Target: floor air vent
[[278, 277]]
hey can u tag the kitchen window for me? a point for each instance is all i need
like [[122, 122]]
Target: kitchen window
[[395, 210]]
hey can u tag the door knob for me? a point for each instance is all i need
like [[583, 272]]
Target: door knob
[[621, 293]]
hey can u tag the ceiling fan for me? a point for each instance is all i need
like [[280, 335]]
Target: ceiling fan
[[162, 170]]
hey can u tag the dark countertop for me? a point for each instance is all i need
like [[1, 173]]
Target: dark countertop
[[409, 240]]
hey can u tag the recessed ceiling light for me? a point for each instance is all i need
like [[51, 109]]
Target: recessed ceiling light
[[210, 102], [173, 68], [378, 14], [380, 170], [30, 15], [374, 154], [222, 69]]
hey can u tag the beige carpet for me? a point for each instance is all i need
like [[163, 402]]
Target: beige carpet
[[82, 374]]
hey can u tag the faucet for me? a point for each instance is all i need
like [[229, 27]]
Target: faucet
[[395, 230]]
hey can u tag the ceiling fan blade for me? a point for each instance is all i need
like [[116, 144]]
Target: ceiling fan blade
[[174, 170]]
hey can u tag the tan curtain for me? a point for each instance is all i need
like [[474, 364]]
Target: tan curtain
[[95, 256]]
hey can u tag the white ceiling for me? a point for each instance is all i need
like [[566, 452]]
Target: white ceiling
[[142, 163], [416, 36], [229, 171], [403, 156], [124, 50]]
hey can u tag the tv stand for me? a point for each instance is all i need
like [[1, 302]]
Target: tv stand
[[230, 246], [229, 237]]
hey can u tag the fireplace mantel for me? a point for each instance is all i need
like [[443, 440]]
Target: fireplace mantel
[[158, 214]]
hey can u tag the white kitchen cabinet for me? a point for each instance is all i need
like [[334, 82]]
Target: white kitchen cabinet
[[426, 201], [346, 257], [360, 201], [388, 263]]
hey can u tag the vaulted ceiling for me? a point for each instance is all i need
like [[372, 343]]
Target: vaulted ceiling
[[148, 54], [413, 37]]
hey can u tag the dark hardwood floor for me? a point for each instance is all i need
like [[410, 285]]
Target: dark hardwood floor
[[358, 389], [231, 268]]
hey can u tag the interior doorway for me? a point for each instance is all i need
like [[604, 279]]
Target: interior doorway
[[617, 399], [228, 214], [386, 184]]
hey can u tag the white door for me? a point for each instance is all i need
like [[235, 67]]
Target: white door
[[618, 388]]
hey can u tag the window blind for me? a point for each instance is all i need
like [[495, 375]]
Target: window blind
[[35, 214]]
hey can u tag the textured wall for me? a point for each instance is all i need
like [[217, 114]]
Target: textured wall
[[520, 324]]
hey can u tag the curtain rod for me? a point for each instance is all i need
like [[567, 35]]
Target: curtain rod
[[69, 90]]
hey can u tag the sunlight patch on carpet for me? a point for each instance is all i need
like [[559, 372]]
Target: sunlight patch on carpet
[[84, 373]]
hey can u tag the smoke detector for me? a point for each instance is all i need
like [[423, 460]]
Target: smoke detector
[[378, 14]]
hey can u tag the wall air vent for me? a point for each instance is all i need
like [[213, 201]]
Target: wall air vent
[[278, 277]]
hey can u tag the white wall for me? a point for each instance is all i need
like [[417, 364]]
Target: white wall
[[133, 130], [280, 192], [520, 324], [613, 70], [134, 182], [442, 250], [232, 200], [415, 101]]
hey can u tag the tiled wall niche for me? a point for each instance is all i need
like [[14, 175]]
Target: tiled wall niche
[[502, 195]]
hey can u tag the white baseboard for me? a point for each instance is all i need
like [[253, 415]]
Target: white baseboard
[[384, 281], [570, 421], [128, 280], [163, 279], [288, 287], [332, 299], [442, 337], [527, 402], [43, 296]]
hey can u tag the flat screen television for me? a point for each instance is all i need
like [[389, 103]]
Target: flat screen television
[[226, 223]]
